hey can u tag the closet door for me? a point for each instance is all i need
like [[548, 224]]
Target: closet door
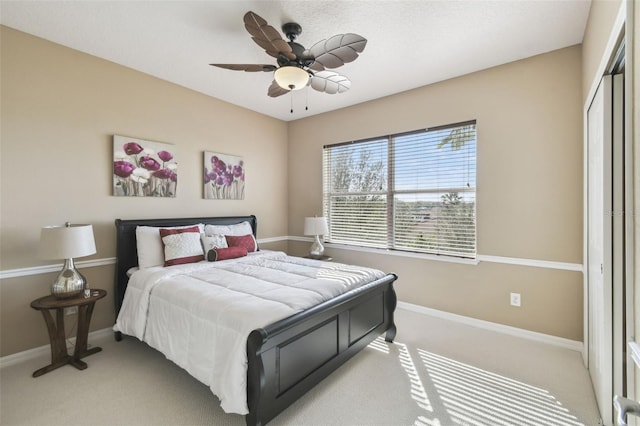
[[600, 299]]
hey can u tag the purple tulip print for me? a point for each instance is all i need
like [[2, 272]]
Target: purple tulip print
[[123, 169], [149, 163], [165, 156], [143, 168], [132, 148], [224, 177]]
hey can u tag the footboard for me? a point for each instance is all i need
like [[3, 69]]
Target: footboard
[[289, 357]]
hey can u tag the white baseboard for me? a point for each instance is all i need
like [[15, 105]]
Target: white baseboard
[[500, 328], [16, 358]]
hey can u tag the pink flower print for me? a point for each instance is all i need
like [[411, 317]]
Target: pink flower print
[[165, 156], [132, 148], [123, 169], [165, 174], [149, 163]]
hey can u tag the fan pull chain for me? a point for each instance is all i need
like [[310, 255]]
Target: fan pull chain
[[306, 101]]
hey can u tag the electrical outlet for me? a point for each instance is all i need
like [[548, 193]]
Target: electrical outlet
[[515, 299], [71, 311]]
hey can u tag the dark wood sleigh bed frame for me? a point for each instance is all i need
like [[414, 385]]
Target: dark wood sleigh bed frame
[[286, 358]]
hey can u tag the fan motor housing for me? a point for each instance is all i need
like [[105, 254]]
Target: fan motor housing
[[297, 48], [291, 30]]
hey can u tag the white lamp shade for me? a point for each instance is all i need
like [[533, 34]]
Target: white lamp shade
[[65, 242], [291, 78], [315, 226]]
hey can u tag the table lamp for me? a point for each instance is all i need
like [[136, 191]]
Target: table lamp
[[316, 226], [66, 242]]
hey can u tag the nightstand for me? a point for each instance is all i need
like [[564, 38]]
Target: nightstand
[[323, 258], [59, 355]]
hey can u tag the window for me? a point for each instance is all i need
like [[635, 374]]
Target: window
[[413, 191]]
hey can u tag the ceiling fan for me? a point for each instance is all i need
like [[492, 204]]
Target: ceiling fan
[[299, 67]]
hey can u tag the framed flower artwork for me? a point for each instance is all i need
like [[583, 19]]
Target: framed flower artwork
[[143, 168], [223, 177]]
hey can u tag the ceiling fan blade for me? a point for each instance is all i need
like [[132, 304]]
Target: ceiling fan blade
[[246, 67], [330, 82], [275, 90], [336, 51], [267, 37]]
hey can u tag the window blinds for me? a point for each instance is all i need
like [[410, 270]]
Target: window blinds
[[413, 191]]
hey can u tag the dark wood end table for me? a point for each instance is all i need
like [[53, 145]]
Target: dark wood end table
[[59, 355], [323, 258]]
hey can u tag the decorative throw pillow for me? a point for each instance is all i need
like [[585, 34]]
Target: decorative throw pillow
[[242, 228], [149, 244], [150, 247], [210, 242], [216, 254], [246, 241], [181, 246]]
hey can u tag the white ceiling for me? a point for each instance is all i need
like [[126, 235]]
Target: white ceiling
[[410, 43]]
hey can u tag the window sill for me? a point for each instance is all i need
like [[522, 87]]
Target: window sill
[[546, 264], [422, 256]]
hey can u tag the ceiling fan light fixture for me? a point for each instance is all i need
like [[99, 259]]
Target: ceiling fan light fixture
[[290, 77], [299, 67]]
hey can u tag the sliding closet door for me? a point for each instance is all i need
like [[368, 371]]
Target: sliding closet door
[[618, 237], [600, 298]]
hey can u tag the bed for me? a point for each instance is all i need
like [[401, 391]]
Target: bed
[[287, 357]]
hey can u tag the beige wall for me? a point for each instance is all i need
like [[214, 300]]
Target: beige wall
[[59, 111], [529, 188], [60, 107]]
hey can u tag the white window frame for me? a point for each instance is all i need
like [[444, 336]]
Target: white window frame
[[350, 232]]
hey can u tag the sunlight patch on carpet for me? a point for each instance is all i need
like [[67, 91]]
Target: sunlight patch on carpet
[[417, 391], [454, 393], [473, 396]]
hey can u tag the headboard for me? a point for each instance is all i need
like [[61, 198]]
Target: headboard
[[126, 246]]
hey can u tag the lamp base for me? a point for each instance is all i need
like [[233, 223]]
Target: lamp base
[[69, 282], [317, 249]]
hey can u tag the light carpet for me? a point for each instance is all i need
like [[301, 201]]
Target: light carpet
[[437, 373]]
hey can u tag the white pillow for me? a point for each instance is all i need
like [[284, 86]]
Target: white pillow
[[210, 242], [150, 249], [236, 230]]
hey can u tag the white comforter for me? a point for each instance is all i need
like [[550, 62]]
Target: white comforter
[[200, 315]]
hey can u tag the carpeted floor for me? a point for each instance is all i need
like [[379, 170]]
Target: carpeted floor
[[437, 373]]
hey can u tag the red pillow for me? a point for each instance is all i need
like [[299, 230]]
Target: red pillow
[[181, 245], [246, 241], [225, 253]]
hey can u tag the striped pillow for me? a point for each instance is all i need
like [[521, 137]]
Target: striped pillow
[[181, 245]]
